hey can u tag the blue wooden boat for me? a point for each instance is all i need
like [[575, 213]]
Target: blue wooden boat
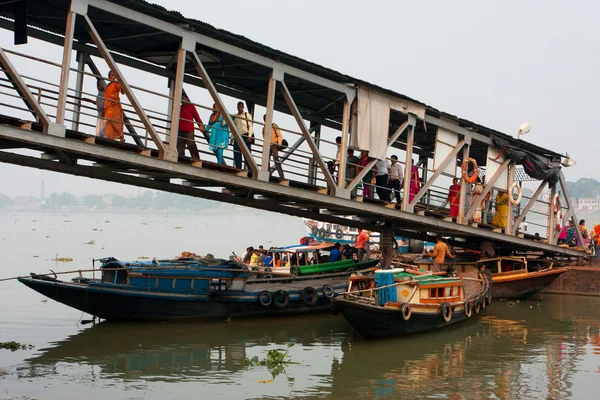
[[187, 289]]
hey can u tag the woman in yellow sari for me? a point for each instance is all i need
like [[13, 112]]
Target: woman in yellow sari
[[113, 111], [501, 214]]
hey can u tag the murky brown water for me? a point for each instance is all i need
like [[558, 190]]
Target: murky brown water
[[530, 350]]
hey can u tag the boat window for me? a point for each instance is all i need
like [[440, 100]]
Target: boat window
[[492, 266], [335, 227], [436, 292]]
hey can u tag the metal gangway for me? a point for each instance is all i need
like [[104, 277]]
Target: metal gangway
[[49, 117]]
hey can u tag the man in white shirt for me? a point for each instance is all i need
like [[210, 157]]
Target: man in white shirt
[[381, 179], [243, 124], [396, 178]]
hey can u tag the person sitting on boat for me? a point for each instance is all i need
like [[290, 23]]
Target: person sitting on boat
[[247, 254], [268, 261], [335, 254], [254, 258], [302, 259], [439, 253], [261, 257], [347, 252]]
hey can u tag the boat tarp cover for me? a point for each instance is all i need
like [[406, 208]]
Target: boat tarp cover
[[535, 166]]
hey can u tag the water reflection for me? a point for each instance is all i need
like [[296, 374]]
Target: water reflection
[[525, 350]]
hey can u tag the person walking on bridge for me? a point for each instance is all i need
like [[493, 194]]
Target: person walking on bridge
[[185, 138], [454, 198], [219, 133], [439, 253], [113, 111], [245, 127], [276, 140]]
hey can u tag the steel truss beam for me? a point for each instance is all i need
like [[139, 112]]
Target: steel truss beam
[[488, 186], [529, 204], [571, 210]]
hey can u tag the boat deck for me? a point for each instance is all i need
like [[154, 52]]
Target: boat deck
[[297, 284]]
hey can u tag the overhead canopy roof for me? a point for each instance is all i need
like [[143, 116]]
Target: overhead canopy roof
[[230, 72]]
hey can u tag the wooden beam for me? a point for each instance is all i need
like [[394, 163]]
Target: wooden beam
[[226, 115], [61, 107], [407, 169], [438, 172], [551, 223], [176, 101], [488, 186], [78, 90], [313, 147], [344, 146], [164, 153], [268, 127]]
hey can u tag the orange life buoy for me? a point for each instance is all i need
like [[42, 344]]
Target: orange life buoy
[[556, 203], [465, 170]]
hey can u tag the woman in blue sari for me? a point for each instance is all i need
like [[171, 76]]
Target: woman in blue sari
[[219, 133]]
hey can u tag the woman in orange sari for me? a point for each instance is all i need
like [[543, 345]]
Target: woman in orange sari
[[113, 112]]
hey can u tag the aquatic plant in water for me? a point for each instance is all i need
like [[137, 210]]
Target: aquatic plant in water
[[14, 346], [275, 361]]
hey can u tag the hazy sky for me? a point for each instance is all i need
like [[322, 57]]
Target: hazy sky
[[495, 63]]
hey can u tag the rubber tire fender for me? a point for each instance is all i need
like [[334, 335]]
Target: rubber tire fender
[[328, 291], [261, 297], [468, 309], [339, 234], [406, 311], [446, 312], [482, 302], [477, 307], [309, 296], [281, 298], [295, 270]]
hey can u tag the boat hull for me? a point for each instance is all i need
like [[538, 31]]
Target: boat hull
[[523, 286], [115, 302], [374, 322]]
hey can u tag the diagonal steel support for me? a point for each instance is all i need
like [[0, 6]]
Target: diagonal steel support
[[438, 172], [164, 153], [226, 115], [176, 102], [488, 187], [23, 89], [529, 204], [61, 107], [313, 147], [571, 211]]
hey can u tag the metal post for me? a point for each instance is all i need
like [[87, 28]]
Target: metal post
[[78, 90], [408, 165], [266, 150], [551, 223], [61, 108], [312, 163], [344, 150], [510, 229], [463, 191]]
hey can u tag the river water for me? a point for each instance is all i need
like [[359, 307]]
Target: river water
[[546, 348]]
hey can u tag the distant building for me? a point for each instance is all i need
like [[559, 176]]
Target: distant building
[[589, 203]]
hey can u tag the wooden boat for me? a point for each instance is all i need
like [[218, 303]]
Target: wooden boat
[[396, 302], [516, 277], [186, 289], [310, 259]]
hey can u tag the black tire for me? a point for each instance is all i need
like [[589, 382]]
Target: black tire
[[314, 231], [295, 270], [468, 309], [406, 311], [265, 298], [328, 291], [446, 312], [482, 302], [281, 299], [323, 233], [309, 296], [339, 234], [488, 299]]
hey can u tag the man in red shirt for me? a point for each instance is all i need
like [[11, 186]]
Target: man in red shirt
[[361, 244], [187, 115]]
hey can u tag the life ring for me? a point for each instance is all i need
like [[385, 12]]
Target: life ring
[[265, 298], [328, 291], [559, 218], [446, 311], [339, 234], [406, 311], [556, 203], [295, 270], [281, 298], [477, 307], [468, 309], [353, 239], [465, 170], [516, 201], [309, 296]]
